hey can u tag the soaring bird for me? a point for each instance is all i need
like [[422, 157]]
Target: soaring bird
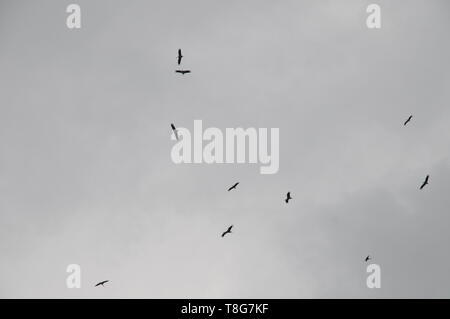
[[182, 71], [175, 131], [180, 56], [368, 258], [233, 187], [288, 197], [407, 121], [101, 283], [228, 231], [425, 182]]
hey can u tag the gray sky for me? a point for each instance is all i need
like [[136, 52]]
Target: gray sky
[[86, 175]]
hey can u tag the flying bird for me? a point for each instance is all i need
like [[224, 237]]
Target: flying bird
[[233, 187], [101, 283], [425, 182], [182, 71], [180, 56], [175, 131], [368, 258], [288, 197], [407, 121], [228, 231]]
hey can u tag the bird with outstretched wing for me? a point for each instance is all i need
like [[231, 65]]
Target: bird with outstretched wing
[[175, 131], [425, 182], [101, 283], [180, 56], [233, 187], [288, 197], [407, 121], [182, 71], [228, 231]]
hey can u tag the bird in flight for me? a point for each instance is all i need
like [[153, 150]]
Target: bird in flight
[[425, 182], [180, 56], [288, 197], [101, 283], [233, 187], [182, 71], [407, 121], [175, 131], [368, 258], [228, 231]]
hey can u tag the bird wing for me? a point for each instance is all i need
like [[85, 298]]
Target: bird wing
[[175, 131], [179, 56], [425, 182]]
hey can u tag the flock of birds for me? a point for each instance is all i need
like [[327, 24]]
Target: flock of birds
[[234, 186], [180, 56]]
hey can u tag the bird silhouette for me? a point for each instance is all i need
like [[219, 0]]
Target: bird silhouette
[[180, 56], [228, 231], [183, 71], [101, 283], [288, 197], [368, 258], [175, 131], [407, 121], [425, 182], [233, 187]]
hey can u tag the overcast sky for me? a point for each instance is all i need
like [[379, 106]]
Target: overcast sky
[[86, 175]]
